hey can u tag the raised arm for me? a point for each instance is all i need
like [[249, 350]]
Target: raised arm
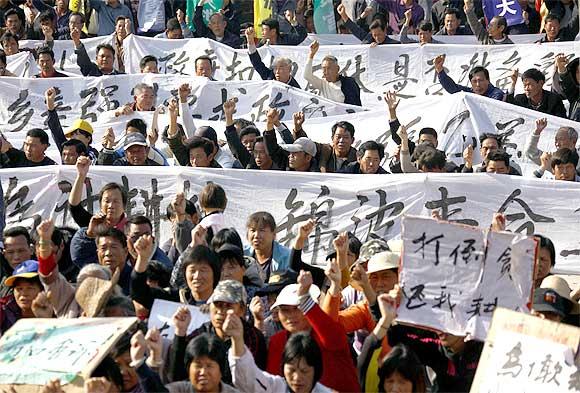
[[186, 118], [53, 121], [476, 27], [236, 147], [315, 81]]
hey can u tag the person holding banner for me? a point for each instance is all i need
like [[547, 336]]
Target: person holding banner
[[452, 23], [555, 32], [33, 151], [272, 35], [378, 30], [45, 57], [105, 57], [535, 97], [496, 32], [281, 66], [568, 74], [216, 28], [424, 31]]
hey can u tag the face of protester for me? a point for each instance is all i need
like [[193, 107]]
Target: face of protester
[[451, 24], [130, 379], [299, 375], [498, 167], [137, 155], [532, 89], [299, 161], [383, 281], [46, 63], [544, 265], [562, 139], [248, 141], [232, 270], [217, 25], [552, 29], [135, 232], [145, 99], [494, 29], [25, 292], [219, 310], [150, 68], [205, 375], [203, 68], [261, 156], [10, 46], [488, 145], [268, 33], [13, 24], [330, 70], [111, 252], [198, 158], [17, 250], [369, 162], [79, 136], [69, 155], [479, 83], [34, 149], [425, 36], [199, 277], [379, 35], [292, 319], [175, 34], [120, 29], [105, 59], [75, 21], [282, 71], [261, 237], [342, 141], [428, 138], [397, 383], [565, 172], [112, 205]]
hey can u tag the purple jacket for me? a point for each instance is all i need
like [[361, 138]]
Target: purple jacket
[[396, 10], [9, 313]]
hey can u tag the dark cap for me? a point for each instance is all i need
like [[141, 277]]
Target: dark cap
[[548, 300], [207, 132], [231, 249], [277, 281], [134, 138]]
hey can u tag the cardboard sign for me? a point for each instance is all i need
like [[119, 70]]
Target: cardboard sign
[[161, 317]]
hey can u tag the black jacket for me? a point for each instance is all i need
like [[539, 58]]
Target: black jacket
[[201, 30], [551, 103], [367, 38], [571, 89], [351, 90], [354, 169], [88, 68], [17, 159]]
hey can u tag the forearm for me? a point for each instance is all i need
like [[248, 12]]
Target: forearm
[[186, 120], [76, 192]]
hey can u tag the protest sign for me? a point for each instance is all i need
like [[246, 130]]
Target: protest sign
[[151, 16], [35, 351], [454, 276], [510, 10], [161, 317], [523, 353], [372, 209]]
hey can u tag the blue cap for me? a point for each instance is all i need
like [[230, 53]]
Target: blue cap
[[27, 269]]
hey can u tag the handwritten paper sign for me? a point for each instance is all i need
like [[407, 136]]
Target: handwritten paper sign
[[454, 276], [35, 351], [523, 353], [161, 317]]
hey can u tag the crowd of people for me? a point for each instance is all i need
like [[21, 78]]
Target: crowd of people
[[275, 323]]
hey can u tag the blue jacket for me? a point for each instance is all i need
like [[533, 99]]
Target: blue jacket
[[350, 89], [451, 87], [280, 256]]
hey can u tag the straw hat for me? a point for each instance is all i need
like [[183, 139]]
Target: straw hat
[[93, 293]]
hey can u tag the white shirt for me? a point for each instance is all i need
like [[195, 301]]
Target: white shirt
[[330, 90]]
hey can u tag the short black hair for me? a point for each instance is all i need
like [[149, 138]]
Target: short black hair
[[431, 158], [190, 209], [499, 155], [371, 145], [146, 59], [78, 14], [7, 36], [552, 16], [18, 231], [425, 26], [106, 46], [138, 220], [157, 271], [501, 22], [477, 69], [45, 16], [80, 147], [172, 24], [272, 24], [564, 156], [210, 346], [377, 24], [203, 57], [452, 11], [139, 124], [343, 124], [545, 242], [202, 254], [109, 369], [114, 186], [428, 131], [302, 346], [249, 130], [354, 244], [260, 219], [488, 135], [403, 360], [226, 236], [535, 74], [114, 233], [197, 142], [38, 133], [12, 11], [120, 17]]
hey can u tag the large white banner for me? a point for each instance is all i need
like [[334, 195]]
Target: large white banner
[[407, 69], [454, 276], [369, 206]]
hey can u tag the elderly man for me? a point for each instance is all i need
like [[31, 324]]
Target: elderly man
[[216, 28], [332, 85], [496, 32], [566, 137], [281, 70]]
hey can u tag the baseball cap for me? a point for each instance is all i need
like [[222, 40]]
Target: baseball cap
[[207, 132], [229, 291], [134, 138], [278, 280], [372, 247], [80, 124], [549, 300], [301, 144], [231, 249], [383, 261], [561, 287], [27, 269], [289, 296]]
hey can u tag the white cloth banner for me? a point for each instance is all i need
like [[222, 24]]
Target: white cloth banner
[[369, 206], [453, 276], [161, 317], [22, 64]]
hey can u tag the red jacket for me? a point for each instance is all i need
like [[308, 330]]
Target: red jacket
[[338, 372]]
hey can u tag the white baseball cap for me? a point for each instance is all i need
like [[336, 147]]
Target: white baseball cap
[[383, 261], [301, 144], [289, 296]]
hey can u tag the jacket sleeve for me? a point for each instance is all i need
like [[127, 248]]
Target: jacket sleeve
[[449, 84], [236, 147], [88, 68], [247, 377], [296, 35], [107, 157], [406, 164], [149, 380], [356, 30], [56, 129], [297, 264], [532, 151], [179, 150], [188, 123], [264, 72], [80, 215], [176, 365], [331, 334], [356, 317], [285, 133], [569, 86], [480, 33], [200, 28], [315, 81], [371, 344], [277, 154], [404, 36]]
